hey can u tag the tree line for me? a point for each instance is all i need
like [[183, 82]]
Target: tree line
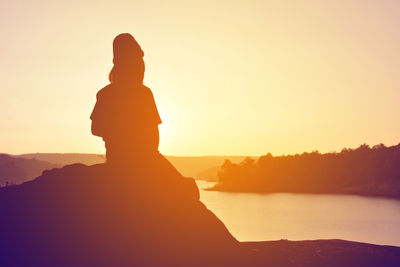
[[365, 170]]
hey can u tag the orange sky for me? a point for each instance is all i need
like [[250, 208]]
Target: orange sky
[[229, 77]]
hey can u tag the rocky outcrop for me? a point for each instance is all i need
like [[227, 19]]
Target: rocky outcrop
[[110, 216], [327, 253]]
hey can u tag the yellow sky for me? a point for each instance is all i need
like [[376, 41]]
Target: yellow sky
[[229, 77]]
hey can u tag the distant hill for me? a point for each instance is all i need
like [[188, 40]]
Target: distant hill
[[14, 170], [192, 166], [210, 174], [188, 166], [66, 158], [363, 171]]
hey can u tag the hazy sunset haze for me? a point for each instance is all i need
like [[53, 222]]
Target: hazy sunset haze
[[229, 77]]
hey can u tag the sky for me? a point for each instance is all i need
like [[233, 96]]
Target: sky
[[229, 77]]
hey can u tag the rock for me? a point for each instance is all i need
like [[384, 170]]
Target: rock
[[100, 215]]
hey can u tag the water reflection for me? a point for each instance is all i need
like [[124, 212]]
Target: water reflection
[[254, 217]]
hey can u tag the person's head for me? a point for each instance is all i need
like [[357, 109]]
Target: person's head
[[128, 60]]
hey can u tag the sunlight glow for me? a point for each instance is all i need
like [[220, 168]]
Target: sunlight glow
[[239, 78]]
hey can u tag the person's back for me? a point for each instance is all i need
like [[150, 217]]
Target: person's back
[[126, 117]]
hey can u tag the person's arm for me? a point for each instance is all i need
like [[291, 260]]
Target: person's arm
[[156, 137], [154, 111], [97, 117], [155, 120]]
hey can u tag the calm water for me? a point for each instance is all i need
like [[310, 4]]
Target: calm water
[[254, 217]]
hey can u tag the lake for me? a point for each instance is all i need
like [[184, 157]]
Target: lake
[[258, 217]]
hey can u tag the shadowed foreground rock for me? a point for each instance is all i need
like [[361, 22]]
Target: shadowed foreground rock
[[321, 253], [101, 216], [81, 216]]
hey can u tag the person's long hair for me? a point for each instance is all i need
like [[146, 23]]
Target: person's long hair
[[130, 73]]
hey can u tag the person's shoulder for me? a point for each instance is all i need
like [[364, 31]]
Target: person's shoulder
[[148, 91], [104, 91]]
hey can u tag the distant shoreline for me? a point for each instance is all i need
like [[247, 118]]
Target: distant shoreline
[[365, 171], [220, 188]]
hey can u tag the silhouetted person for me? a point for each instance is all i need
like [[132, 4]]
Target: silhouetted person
[[150, 215], [125, 114], [163, 210]]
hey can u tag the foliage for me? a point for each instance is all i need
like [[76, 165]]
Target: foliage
[[364, 170]]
